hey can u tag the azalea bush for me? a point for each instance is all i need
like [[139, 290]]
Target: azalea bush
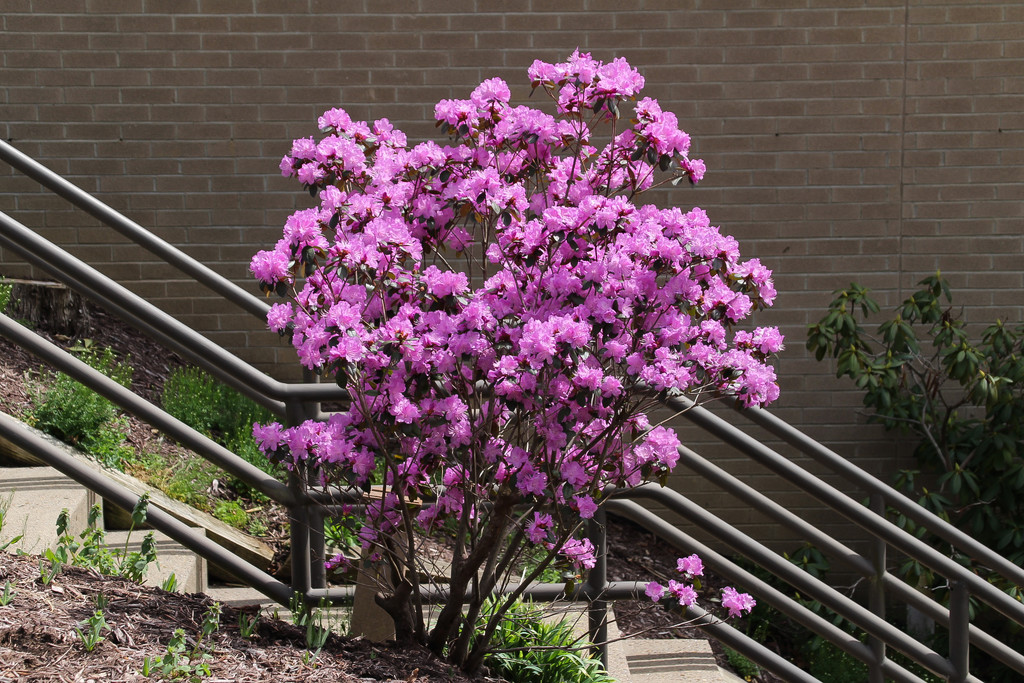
[[503, 312]]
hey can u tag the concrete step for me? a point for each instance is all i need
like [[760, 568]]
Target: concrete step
[[687, 660], [34, 498], [188, 568]]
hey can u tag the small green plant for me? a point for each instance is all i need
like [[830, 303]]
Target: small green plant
[[5, 295], [48, 571], [71, 411], [248, 624], [180, 661], [5, 505], [315, 620], [231, 512], [170, 584], [527, 649], [92, 635], [101, 601], [7, 596], [745, 668], [90, 550]]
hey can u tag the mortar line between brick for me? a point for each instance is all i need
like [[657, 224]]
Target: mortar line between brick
[[903, 150]]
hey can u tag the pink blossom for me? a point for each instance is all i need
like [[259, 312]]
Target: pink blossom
[[579, 553], [737, 603], [537, 530], [493, 304], [682, 592], [270, 266], [585, 505], [691, 565], [655, 591]]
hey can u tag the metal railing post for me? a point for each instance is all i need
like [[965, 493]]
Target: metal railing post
[[298, 512], [959, 622], [876, 596], [597, 581]]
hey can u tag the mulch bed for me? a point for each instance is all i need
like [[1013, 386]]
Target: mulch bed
[[38, 641]]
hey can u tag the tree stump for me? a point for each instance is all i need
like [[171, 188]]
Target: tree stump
[[49, 306]]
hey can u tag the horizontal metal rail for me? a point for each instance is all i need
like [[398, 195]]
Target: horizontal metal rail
[[855, 475], [804, 582], [58, 358], [834, 549], [162, 521], [763, 590], [163, 327], [132, 230], [849, 508]]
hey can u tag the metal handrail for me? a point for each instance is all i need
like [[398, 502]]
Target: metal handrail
[[833, 548], [763, 590], [164, 328], [162, 521], [910, 508], [132, 230], [877, 525], [136, 405]]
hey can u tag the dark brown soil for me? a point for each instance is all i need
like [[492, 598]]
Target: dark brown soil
[[39, 641]]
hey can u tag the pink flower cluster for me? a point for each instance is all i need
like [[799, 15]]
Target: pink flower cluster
[[683, 592], [498, 307]]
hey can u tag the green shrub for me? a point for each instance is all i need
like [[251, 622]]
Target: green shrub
[[231, 512], [527, 649], [70, 410], [206, 405], [741, 665], [961, 397], [192, 396], [107, 444]]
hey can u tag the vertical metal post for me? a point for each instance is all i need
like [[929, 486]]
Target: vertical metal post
[[314, 515], [876, 597], [317, 547], [298, 518], [959, 623], [298, 514], [597, 581]]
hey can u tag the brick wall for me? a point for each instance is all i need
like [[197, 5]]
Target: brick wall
[[860, 141]]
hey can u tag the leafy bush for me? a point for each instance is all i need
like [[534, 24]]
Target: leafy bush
[[70, 410], [107, 444], [208, 406], [519, 258], [527, 649], [963, 400]]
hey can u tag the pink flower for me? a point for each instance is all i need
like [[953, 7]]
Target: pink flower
[[279, 316], [691, 565], [695, 169], [537, 530], [682, 592], [737, 603], [492, 90], [586, 506], [655, 591], [579, 553], [270, 266]]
